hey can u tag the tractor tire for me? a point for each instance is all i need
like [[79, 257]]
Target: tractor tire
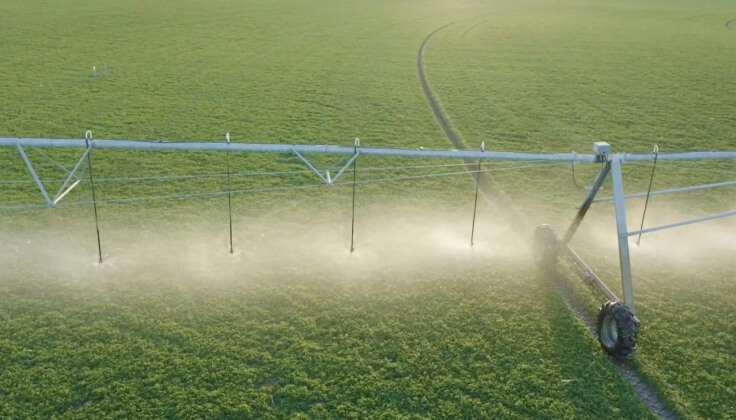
[[544, 247], [617, 329]]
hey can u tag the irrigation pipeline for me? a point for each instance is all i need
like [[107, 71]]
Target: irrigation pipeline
[[646, 392]]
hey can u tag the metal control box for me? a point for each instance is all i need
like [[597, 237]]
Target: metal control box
[[601, 148]]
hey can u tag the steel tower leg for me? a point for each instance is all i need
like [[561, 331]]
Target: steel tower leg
[[623, 236]]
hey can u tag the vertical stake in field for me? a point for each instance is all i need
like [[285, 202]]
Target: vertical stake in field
[[88, 136], [229, 203], [649, 190], [477, 185], [355, 169]]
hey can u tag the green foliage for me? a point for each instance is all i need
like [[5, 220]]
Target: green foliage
[[632, 74], [452, 345], [521, 75]]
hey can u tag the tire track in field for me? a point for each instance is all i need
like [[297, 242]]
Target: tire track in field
[[473, 27], [434, 105], [699, 16], [646, 392], [489, 192]]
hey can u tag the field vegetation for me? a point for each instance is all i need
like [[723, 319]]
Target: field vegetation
[[415, 324], [397, 333], [558, 78]]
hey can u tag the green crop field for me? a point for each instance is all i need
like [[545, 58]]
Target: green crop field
[[415, 324]]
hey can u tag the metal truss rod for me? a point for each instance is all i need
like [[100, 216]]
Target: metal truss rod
[[350, 162], [587, 203], [306, 162], [34, 175], [62, 192], [53, 162], [686, 222], [588, 273], [671, 191], [68, 190]]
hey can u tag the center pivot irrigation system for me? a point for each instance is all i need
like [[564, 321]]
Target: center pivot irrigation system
[[617, 324]]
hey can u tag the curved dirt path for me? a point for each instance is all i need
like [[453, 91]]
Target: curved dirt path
[[434, 105], [455, 138], [467, 31], [646, 392]]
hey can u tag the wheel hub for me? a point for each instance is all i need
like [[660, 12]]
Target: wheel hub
[[609, 331]]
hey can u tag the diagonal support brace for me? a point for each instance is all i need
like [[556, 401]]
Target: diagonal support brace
[[35, 176], [311, 167], [686, 222], [347, 165], [52, 161], [586, 204], [671, 191], [62, 192]]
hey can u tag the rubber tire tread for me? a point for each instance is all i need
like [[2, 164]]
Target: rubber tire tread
[[627, 327]]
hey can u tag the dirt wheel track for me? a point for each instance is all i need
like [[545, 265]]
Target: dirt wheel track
[[455, 138], [434, 105], [467, 31], [646, 392]]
